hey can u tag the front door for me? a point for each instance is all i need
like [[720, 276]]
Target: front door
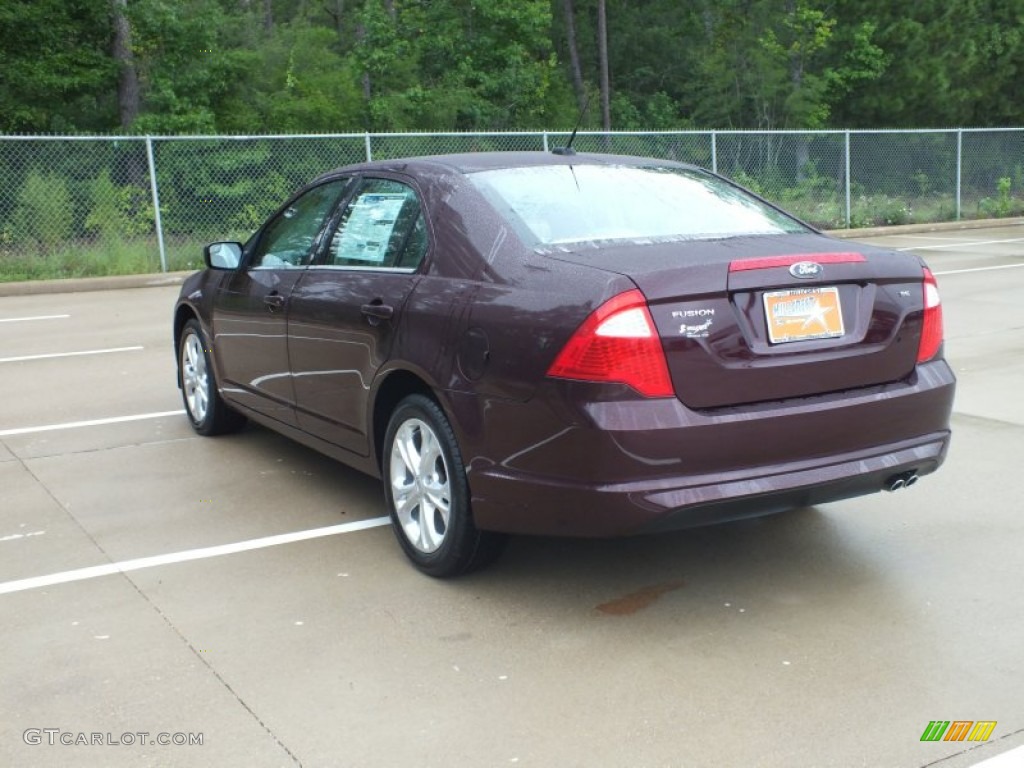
[[251, 307]]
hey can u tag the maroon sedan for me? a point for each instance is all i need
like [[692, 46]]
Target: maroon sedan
[[578, 345]]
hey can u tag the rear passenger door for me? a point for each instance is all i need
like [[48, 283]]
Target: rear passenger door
[[344, 312]]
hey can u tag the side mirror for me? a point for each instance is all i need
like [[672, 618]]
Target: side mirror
[[223, 255]]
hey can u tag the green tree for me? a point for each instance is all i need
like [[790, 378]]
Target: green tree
[[189, 63], [251, 66], [945, 64], [462, 64], [56, 72], [305, 84], [770, 60]]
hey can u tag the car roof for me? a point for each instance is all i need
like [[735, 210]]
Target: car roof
[[470, 162]]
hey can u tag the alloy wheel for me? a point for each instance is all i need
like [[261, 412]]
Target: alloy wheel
[[420, 485], [194, 380]]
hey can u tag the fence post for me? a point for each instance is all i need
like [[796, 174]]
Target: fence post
[[959, 167], [156, 203], [714, 152], [545, 141], [847, 179], [369, 152]]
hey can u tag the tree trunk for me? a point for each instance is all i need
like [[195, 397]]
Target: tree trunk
[[602, 52], [367, 85], [268, 15], [338, 15], [574, 55], [796, 79], [707, 16], [127, 78]]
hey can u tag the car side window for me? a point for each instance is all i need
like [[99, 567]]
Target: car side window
[[382, 226], [289, 239]]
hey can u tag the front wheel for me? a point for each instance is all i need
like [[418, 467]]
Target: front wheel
[[427, 493], [206, 409]]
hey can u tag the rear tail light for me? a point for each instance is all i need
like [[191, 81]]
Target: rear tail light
[[617, 343], [931, 330]]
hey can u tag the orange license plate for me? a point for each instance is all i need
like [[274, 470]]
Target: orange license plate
[[802, 314]]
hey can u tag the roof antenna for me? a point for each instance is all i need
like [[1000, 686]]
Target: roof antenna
[[567, 149]]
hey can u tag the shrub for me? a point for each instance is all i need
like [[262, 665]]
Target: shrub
[[880, 211], [43, 213], [1003, 204], [118, 212]]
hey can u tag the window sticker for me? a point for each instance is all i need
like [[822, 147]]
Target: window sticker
[[367, 232]]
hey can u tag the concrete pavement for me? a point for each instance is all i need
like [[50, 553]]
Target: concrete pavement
[[823, 637]]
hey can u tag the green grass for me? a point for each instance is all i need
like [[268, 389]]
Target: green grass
[[91, 259], [881, 210]]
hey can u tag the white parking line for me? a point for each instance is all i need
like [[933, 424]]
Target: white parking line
[[90, 423], [16, 536], [979, 269], [963, 245], [80, 574], [922, 237], [68, 354], [1012, 759], [37, 317]]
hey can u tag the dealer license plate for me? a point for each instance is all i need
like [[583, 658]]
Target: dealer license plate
[[802, 314]]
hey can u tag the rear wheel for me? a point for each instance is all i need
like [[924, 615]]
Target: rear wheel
[[203, 404], [427, 493]]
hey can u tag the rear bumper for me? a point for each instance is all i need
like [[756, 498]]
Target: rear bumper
[[517, 504], [617, 468]]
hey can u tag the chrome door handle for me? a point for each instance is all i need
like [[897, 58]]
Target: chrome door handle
[[274, 301], [378, 311]]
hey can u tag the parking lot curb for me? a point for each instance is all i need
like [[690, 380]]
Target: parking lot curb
[[80, 284], [909, 229]]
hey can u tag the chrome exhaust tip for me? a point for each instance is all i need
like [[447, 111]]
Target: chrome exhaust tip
[[894, 484], [902, 480]]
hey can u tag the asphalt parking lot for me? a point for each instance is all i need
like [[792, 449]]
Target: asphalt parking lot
[[158, 589]]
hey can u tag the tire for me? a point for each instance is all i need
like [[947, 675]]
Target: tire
[[205, 408], [423, 470]]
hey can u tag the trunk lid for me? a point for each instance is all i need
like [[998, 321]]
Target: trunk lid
[[741, 322]]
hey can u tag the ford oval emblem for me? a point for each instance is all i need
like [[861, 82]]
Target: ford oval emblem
[[806, 269]]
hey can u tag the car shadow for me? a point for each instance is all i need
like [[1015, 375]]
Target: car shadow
[[794, 558], [802, 556]]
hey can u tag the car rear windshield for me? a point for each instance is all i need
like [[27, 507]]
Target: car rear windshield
[[573, 203]]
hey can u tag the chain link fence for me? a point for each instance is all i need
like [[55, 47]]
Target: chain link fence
[[115, 205]]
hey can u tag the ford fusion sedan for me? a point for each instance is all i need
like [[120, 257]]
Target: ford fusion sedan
[[567, 344]]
